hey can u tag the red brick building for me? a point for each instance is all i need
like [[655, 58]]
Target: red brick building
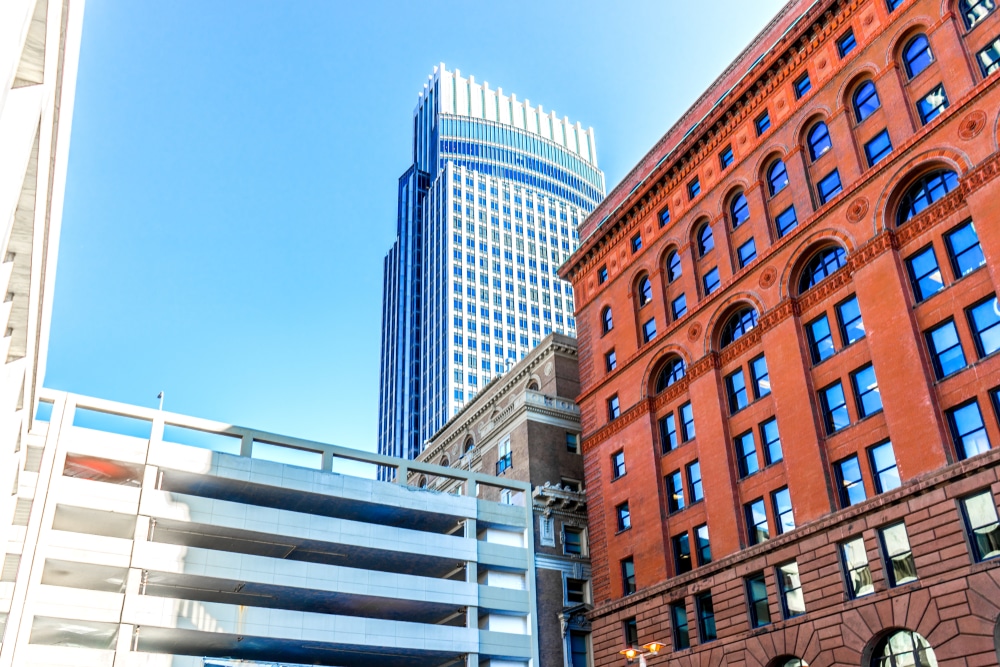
[[788, 334]]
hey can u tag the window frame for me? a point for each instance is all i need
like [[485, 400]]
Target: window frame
[[861, 107], [844, 485], [623, 517], [940, 372], [673, 482], [696, 490], [762, 123], [878, 473], [850, 566], [971, 534], [889, 559], [912, 60], [977, 333], [786, 591], [705, 609], [872, 157], [755, 533], [860, 393], [954, 257], [680, 544], [618, 468], [767, 445], [927, 113], [802, 85], [812, 142], [726, 157], [737, 395], [917, 281], [825, 195], [778, 497], [843, 325], [628, 576], [830, 411], [846, 43], [815, 349], [758, 604], [745, 259], [747, 462], [614, 408], [959, 438]]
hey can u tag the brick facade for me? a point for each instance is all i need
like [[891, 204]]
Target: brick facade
[[858, 251]]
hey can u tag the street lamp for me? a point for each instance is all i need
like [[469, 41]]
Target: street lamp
[[652, 648]]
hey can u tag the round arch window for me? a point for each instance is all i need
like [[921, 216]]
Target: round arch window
[[818, 140], [777, 177], [926, 190], [903, 648], [645, 291], [673, 266], [739, 210], [607, 323], [705, 240], [788, 661], [917, 55], [469, 445], [738, 325], [866, 101], [670, 374], [823, 264]]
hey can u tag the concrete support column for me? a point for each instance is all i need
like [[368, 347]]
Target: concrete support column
[[246, 446]]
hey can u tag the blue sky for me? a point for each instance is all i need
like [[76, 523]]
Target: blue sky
[[232, 178]]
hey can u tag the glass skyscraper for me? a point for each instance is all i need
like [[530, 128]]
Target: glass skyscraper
[[487, 212]]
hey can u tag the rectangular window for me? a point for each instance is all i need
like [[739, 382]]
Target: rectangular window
[[771, 442], [878, 148], [884, 470], [706, 617], [792, 601], [694, 481], [989, 58], [763, 123], [963, 249], [781, 500], [576, 591], [946, 349], [624, 518], [829, 187], [820, 339], [628, 576], [573, 443], [678, 614], [802, 86], [702, 545], [900, 568], [756, 517], [852, 328], [925, 275], [679, 307], [637, 243], [649, 330], [726, 157], [572, 541], [760, 614], [682, 553], [610, 361], [694, 189], [675, 491], [668, 433], [850, 485], [786, 221], [932, 105], [746, 454], [614, 410], [984, 320], [736, 389], [687, 422], [710, 280], [631, 631], [618, 464], [866, 392], [846, 43], [602, 275], [856, 569], [759, 377], [747, 253], [834, 404], [664, 217], [579, 653], [968, 430], [982, 525], [893, 4]]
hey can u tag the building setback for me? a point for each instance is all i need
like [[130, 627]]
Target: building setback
[[486, 213], [525, 426], [149, 538], [787, 323]]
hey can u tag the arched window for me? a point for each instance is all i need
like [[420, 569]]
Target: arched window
[[925, 191], [865, 101], [671, 372], [469, 445], [974, 11], [673, 266], [738, 325], [423, 482], [607, 324], [739, 210], [705, 240], [777, 177], [818, 140], [917, 55], [645, 291], [444, 462], [822, 264], [788, 661], [903, 648]]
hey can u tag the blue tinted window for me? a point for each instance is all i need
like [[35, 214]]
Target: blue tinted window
[[747, 253], [834, 404], [726, 157], [739, 210], [974, 11], [673, 266], [884, 470], [771, 441], [829, 187], [786, 221], [878, 148], [679, 307], [664, 217], [865, 101], [984, 319], [802, 85], [850, 486], [777, 177], [706, 241], [756, 517], [925, 275], [968, 430], [823, 264], [820, 339], [736, 388], [763, 123], [869, 398], [694, 188], [746, 454], [925, 191], [846, 43], [852, 328], [963, 248], [819, 140], [711, 280], [932, 105], [917, 55]]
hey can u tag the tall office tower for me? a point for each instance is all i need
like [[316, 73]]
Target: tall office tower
[[39, 43], [487, 213], [798, 462]]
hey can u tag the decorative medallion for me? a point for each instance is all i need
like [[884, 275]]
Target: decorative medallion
[[822, 63], [857, 210], [781, 103], [768, 276], [694, 332], [972, 125], [869, 20], [548, 369], [743, 139]]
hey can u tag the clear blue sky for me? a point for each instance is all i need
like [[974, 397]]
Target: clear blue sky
[[232, 178]]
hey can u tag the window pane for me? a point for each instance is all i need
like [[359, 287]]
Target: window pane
[[760, 615], [968, 430], [859, 574], [878, 148], [834, 408], [963, 246], [981, 519], [884, 470], [786, 221], [772, 442], [761, 378], [694, 482], [783, 510], [820, 339], [746, 454], [852, 328], [931, 105], [791, 590], [985, 321], [925, 276], [703, 546], [851, 487], [867, 392], [757, 522], [946, 349], [829, 186]]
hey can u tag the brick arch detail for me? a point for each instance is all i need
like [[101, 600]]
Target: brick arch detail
[[845, 95], [734, 185], [805, 248], [777, 151], [800, 640], [697, 219], [902, 33], [722, 312], [820, 113], [653, 367], [900, 178], [637, 273], [714, 657]]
